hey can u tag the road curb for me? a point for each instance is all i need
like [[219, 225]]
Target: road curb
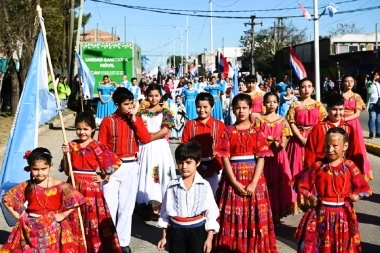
[[372, 148], [44, 128]]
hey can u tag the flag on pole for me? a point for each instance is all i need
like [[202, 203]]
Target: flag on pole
[[36, 106], [194, 70], [235, 81], [305, 13], [224, 67], [88, 79], [331, 9], [297, 65], [180, 68]]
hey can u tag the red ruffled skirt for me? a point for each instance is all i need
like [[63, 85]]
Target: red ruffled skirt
[[328, 229], [246, 224]]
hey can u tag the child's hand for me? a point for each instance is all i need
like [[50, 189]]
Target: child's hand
[[239, 188], [100, 178], [65, 148], [132, 115], [207, 246], [250, 189], [313, 201], [303, 140], [161, 244], [59, 217], [354, 197]]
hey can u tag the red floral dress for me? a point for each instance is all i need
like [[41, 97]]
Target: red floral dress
[[43, 233], [100, 231], [328, 227], [246, 223]]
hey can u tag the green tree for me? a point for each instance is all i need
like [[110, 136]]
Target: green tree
[[345, 28], [177, 58], [270, 40]]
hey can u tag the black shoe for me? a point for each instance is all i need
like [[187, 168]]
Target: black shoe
[[377, 135], [371, 136], [126, 249]]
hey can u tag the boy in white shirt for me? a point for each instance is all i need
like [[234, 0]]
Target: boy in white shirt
[[189, 212]]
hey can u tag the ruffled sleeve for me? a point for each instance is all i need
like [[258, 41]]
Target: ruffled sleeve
[[71, 198], [285, 129], [304, 181], [359, 185], [321, 111], [167, 118], [262, 147], [100, 88], [291, 113], [360, 105], [108, 161], [222, 147], [15, 197]]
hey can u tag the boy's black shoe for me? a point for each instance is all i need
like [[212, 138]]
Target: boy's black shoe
[[371, 136], [377, 135], [126, 249]]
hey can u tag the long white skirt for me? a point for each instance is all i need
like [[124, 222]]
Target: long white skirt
[[157, 168]]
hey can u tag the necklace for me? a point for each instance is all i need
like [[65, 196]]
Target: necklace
[[336, 174], [303, 104], [239, 139], [38, 201]]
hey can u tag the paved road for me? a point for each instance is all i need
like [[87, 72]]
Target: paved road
[[146, 235]]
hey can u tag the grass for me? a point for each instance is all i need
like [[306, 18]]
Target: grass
[[6, 121]]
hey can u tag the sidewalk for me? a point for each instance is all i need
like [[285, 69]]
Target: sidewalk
[[372, 145]]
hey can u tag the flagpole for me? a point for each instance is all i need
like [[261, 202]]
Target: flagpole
[[39, 11], [316, 53]]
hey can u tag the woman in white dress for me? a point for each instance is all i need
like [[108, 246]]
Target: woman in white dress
[[157, 166]]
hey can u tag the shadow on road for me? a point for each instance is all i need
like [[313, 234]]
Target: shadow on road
[[144, 231], [368, 218], [375, 198], [285, 234], [4, 236], [369, 247]]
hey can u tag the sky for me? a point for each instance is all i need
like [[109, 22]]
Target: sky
[[155, 32]]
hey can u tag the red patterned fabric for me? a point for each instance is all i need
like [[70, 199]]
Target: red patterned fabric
[[246, 224], [203, 134], [326, 228], [121, 136], [314, 149], [100, 231], [44, 233]]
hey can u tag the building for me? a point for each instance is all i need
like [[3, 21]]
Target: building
[[354, 54], [95, 35], [209, 62]]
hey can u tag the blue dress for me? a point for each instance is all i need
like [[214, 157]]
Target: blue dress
[[190, 106], [217, 111], [106, 109], [284, 105]]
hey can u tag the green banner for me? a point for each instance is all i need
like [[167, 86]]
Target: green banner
[[114, 59]]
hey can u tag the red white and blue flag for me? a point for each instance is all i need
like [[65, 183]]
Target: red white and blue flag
[[297, 65], [224, 67], [194, 70], [305, 13]]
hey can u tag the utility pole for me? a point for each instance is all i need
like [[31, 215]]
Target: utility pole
[[211, 31], [252, 24], [316, 53], [78, 34], [187, 42], [125, 28], [70, 54]]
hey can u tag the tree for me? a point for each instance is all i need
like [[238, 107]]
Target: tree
[[19, 29], [268, 41], [177, 58], [345, 28]]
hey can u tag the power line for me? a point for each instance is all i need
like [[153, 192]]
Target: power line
[[229, 11], [100, 15], [230, 17], [226, 5], [166, 43]]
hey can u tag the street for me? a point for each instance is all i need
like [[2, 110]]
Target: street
[[146, 235]]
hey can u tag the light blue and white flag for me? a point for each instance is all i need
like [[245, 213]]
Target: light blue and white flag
[[235, 81], [88, 79], [36, 106], [180, 68]]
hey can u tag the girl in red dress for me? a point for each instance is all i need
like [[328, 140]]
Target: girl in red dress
[[246, 223], [87, 156], [353, 106], [256, 96], [43, 226], [331, 186], [277, 171]]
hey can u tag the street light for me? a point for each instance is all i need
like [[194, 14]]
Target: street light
[[180, 28]]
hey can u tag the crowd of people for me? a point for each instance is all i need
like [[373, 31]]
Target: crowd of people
[[246, 160]]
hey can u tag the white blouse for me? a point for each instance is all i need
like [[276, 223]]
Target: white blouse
[[180, 202]]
